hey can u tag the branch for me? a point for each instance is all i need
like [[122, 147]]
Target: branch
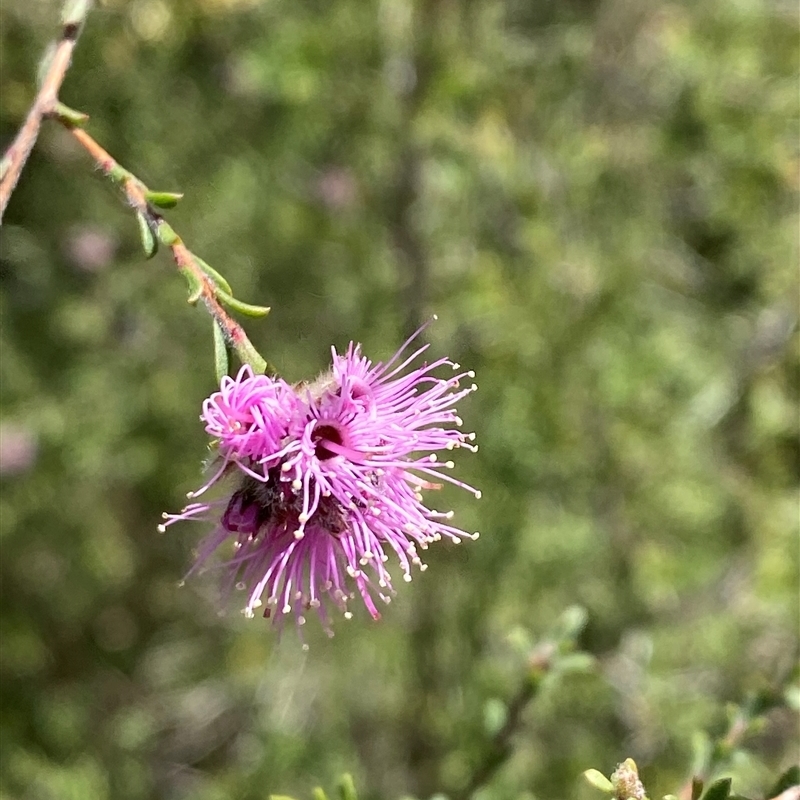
[[554, 657], [46, 100], [205, 283], [501, 744]]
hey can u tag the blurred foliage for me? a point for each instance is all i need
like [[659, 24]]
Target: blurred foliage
[[598, 199]]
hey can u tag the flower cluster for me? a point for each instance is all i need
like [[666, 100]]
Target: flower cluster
[[328, 480]]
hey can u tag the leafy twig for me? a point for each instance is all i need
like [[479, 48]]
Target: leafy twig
[[555, 655], [55, 66], [205, 284], [744, 720]]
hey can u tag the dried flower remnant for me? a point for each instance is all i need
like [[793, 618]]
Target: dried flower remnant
[[328, 480]]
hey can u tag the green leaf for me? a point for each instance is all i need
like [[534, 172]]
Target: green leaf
[[70, 116], [347, 789], [598, 780], [572, 622], [221, 364], [75, 11], [702, 748], [148, 239], [789, 778], [213, 274], [697, 787], [195, 284], [719, 790], [242, 308], [319, 794], [576, 663], [163, 199], [166, 234], [280, 797], [495, 714]]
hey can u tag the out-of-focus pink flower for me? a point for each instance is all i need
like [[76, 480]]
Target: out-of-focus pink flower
[[18, 449], [329, 479], [89, 248]]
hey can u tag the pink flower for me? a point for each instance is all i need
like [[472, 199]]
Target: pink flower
[[329, 477]]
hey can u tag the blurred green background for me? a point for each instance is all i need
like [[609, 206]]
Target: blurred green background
[[598, 199]]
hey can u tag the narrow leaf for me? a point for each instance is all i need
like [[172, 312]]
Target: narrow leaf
[[789, 778], [572, 622], [220, 353], [75, 11], [149, 241], [213, 274], [697, 787], [195, 284], [576, 663], [166, 234], [70, 116], [242, 308], [319, 794], [163, 199], [598, 780], [347, 789], [719, 790]]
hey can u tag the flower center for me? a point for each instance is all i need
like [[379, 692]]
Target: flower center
[[322, 436]]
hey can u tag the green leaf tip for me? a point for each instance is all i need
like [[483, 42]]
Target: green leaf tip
[[163, 199], [347, 789], [166, 234], [69, 116], [596, 778], [194, 283], [148, 239], [243, 308], [573, 621], [213, 274], [719, 790], [319, 794], [74, 12]]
